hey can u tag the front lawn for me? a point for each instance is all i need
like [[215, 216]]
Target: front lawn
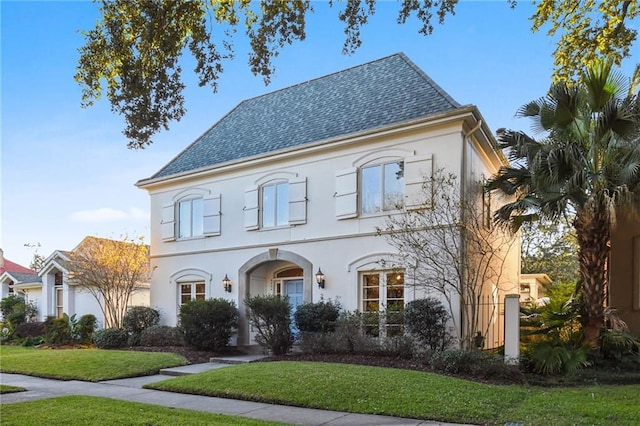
[[87, 410], [414, 394], [10, 389], [91, 365]]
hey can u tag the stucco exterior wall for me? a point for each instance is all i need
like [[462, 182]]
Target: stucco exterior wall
[[343, 249]]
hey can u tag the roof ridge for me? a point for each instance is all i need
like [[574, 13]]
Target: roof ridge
[[399, 54], [429, 80]]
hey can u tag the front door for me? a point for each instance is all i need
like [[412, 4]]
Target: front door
[[293, 289]]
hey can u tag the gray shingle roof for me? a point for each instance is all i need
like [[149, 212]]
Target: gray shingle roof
[[379, 93], [22, 277]]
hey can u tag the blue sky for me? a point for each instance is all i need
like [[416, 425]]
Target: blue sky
[[66, 171]]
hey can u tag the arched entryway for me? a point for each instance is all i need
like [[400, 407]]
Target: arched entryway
[[272, 272]]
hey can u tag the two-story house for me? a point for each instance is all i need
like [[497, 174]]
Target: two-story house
[[284, 193]]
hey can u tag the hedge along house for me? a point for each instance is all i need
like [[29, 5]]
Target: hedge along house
[[295, 182]]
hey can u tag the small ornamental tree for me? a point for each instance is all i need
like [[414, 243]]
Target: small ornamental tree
[[271, 317], [453, 249], [426, 319], [111, 271]]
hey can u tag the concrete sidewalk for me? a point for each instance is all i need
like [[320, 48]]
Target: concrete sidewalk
[[131, 390]]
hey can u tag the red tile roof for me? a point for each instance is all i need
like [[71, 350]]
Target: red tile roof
[[14, 267]]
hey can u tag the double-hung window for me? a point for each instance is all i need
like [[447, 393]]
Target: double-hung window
[[383, 302], [382, 187], [190, 218], [275, 204]]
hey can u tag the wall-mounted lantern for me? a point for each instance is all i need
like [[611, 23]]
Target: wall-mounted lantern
[[320, 278], [226, 282]]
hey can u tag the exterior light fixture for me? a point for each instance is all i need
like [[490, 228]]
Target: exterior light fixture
[[226, 282], [320, 278]]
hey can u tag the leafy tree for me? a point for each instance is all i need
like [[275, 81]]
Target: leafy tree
[[451, 250], [135, 47], [586, 164], [588, 30], [550, 248], [16, 311], [111, 271]]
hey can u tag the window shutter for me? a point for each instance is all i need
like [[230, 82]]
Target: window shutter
[[168, 223], [211, 215], [251, 208], [298, 201], [347, 193], [418, 173]]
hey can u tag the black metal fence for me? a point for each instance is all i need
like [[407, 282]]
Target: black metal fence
[[491, 321]]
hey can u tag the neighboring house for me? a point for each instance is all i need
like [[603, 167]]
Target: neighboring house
[[624, 288], [296, 181], [20, 281], [51, 291], [533, 287]]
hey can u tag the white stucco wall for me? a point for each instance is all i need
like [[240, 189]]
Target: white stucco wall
[[342, 248]]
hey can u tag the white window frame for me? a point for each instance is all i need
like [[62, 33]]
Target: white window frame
[[193, 293], [58, 293], [193, 217], [383, 298], [293, 209], [382, 184], [279, 205]]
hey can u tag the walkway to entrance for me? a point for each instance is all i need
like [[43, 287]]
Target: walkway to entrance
[[131, 390]]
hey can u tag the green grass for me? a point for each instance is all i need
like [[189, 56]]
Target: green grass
[[87, 410], [10, 389], [84, 364], [374, 390]]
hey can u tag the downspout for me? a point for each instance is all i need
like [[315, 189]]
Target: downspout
[[463, 187]]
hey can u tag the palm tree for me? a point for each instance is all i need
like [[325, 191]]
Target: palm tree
[[586, 164]]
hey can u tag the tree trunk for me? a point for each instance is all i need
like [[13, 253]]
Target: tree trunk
[[594, 235]]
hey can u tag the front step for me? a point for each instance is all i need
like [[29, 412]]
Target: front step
[[236, 359]]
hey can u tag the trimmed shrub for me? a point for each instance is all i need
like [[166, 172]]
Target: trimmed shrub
[[208, 324], [32, 341], [476, 363], [271, 317], [139, 318], [397, 347], [350, 334], [426, 319], [317, 343], [110, 338], [85, 327], [161, 335], [317, 317], [31, 329], [58, 331]]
